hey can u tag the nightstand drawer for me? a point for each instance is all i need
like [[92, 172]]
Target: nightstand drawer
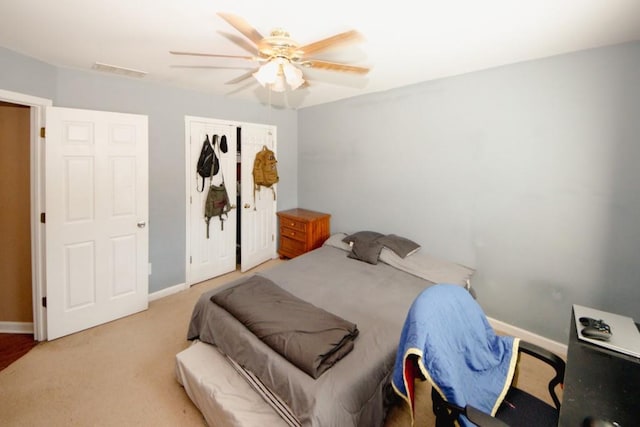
[[293, 233], [293, 223], [291, 247]]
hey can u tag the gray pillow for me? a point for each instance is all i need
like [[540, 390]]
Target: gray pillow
[[402, 246], [363, 236], [367, 251]]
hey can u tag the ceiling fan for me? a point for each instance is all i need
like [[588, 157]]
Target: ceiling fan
[[280, 56]]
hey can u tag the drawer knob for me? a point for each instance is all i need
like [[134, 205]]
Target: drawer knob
[[292, 233], [292, 224]]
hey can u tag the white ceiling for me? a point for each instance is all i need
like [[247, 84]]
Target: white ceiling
[[405, 41]]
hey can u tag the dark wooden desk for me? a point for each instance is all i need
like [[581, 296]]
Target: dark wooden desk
[[599, 383]]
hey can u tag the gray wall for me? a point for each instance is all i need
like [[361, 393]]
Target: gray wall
[[528, 173], [26, 75], [166, 108]]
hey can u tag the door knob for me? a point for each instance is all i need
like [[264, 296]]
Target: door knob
[[142, 224], [247, 205]]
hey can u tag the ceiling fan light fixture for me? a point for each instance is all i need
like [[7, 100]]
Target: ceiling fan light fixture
[[279, 85], [278, 73], [293, 75], [267, 74]]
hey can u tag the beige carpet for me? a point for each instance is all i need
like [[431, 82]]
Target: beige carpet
[[122, 374]]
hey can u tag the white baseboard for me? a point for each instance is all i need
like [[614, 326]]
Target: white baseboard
[[552, 346], [168, 291], [16, 327]]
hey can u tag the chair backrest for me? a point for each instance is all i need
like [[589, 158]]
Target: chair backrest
[[550, 359]]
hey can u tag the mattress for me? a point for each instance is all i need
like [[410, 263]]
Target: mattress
[[220, 392]]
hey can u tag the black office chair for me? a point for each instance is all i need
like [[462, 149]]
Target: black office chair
[[518, 409], [447, 340]]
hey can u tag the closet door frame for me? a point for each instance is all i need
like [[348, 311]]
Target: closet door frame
[[246, 171]]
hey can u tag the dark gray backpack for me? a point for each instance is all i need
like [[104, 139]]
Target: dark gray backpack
[[208, 163]]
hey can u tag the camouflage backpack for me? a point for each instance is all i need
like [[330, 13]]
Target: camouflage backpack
[[217, 203], [265, 171]]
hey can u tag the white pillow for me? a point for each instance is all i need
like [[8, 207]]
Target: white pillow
[[335, 240], [428, 267]]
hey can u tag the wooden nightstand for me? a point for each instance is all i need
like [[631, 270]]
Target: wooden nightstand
[[301, 231]]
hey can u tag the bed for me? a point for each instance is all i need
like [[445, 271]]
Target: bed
[[375, 296]]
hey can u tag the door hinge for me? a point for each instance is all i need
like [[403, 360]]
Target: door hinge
[[42, 133], [44, 302], [190, 260], [190, 200], [43, 217], [273, 237]]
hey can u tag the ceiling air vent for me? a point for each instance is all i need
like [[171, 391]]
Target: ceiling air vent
[[114, 69]]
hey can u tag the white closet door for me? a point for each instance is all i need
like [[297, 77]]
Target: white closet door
[[258, 216], [207, 258]]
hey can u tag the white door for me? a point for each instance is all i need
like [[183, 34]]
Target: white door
[[258, 215], [96, 218], [216, 255]]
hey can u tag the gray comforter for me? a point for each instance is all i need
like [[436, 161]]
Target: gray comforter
[[351, 393], [309, 337]]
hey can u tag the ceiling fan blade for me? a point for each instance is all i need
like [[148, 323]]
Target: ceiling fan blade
[[243, 26], [240, 41], [213, 55], [330, 42], [207, 67], [242, 77], [334, 66]]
